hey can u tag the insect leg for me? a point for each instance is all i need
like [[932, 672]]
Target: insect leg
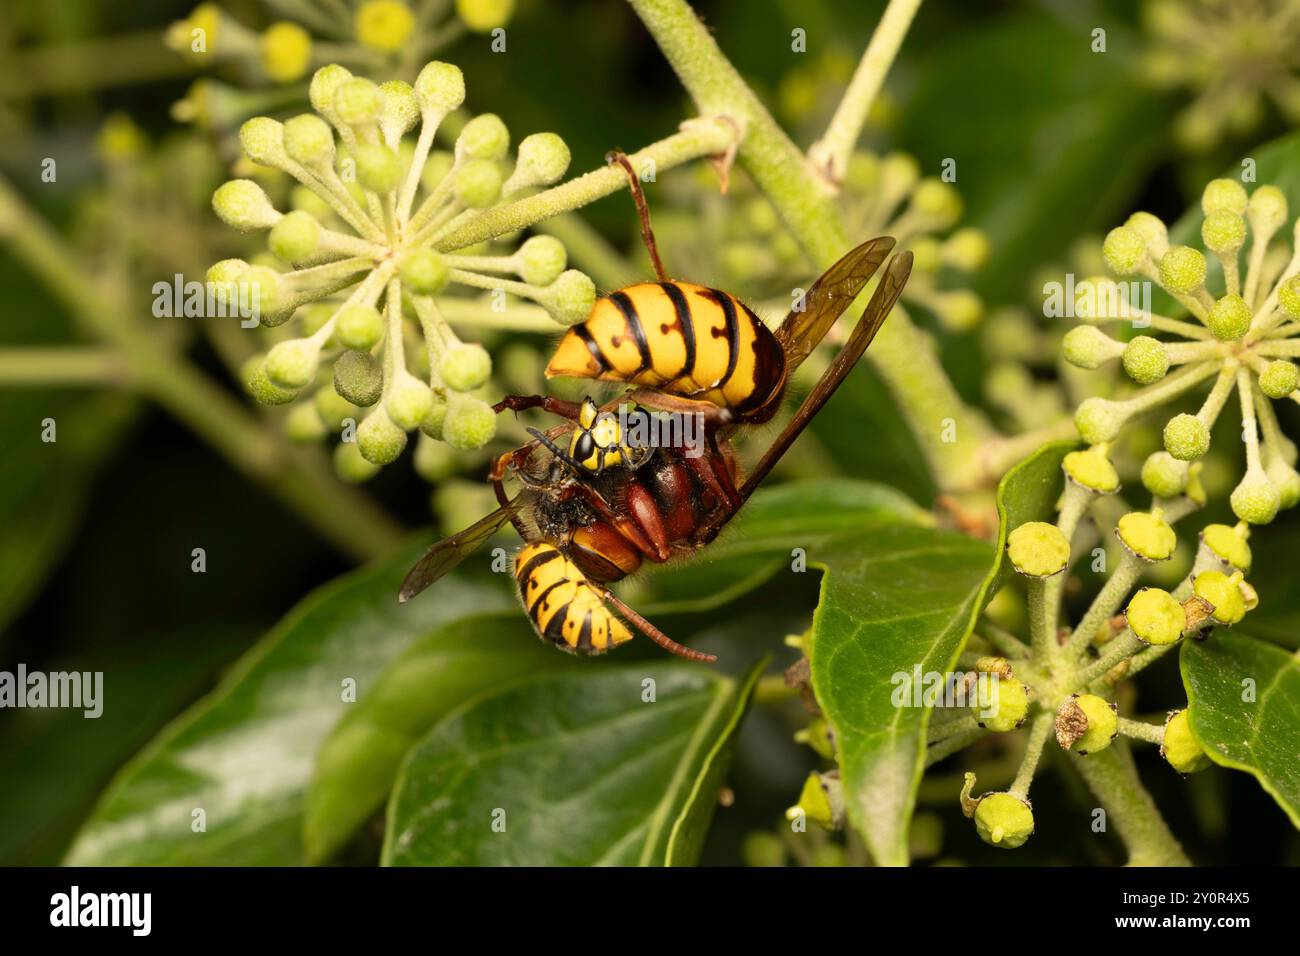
[[642, 210], [656, 635], [555, 406]]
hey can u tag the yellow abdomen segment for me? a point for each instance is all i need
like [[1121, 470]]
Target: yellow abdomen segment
[[563, 605], [679, 338]]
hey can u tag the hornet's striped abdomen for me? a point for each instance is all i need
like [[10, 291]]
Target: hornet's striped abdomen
[[563, 605], [679, 338]]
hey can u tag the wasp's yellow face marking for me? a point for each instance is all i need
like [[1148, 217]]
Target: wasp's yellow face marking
[[597, 442]]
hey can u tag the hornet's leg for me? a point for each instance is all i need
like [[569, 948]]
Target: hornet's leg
[[642, 210], [656, 635]]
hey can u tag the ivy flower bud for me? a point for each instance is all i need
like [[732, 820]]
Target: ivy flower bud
[[1156, 617], [1152, 231], [437, 417], [484, 16], [1179, 747], [1007, 709], [358, 326], [470, 423], [958, 309], [303, 424], [262, 140], [225, 271], [821, 801], [1038, 549], [1224, 593], [1182, 269], [477, 183], [1285, 479], [1255, 499], [1086, 724], [292, 364], [357, 102], [408, 401], [243, 205], [1223, 232], [570, 297], [325, 84], [1147, 535], [1089, 347], [1099, 420], [424, 272], [1004, 820], [1145, 360], [1288, 296], [966, 250], [309, 140], [295, 237], [1267, 209], [333, 408], [358, 378], [1164, 475], [465, 367], [1223, 195], [484, 137], [379, 440], [1229, 318], [541, 259], [286, 51], [378, 168], [1124, 250], [261, 388], [440, 87], [349, 464], [383, 25], [265, 292], [1279, 379], [1228, 544], [543, 158], [401, 109], [1091, 469], [938, 202], [1186, 437]]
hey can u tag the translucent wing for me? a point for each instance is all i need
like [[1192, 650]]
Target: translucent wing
[[829, 296], [449, 552]]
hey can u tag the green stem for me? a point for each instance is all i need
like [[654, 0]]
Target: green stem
[[120, 60], [950, 432], [1114, 779], [1042, 726], [295, 475], [62, 365], [1141, 730]]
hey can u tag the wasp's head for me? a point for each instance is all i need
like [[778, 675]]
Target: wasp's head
[[597, 441]]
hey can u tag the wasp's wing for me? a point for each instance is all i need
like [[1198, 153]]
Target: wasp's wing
[[829, 296], [449, 552]]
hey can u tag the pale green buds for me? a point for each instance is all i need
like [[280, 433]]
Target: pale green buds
[[1285, 479], [1124, 250], [358, 326], [470, 423], [1224, 195], [484, 137], [292, 364], [226, 271], [1288, 296], [309, 140], [243, 205], [1145, 360], [1179, 748], [358, 378], [477, 183], [1279, 379], [819, 736], [408, 401], [1099, 420], [437, 417], [1186, 437], [1255, 499], [1086, 724], [966, 249], [425, 272], [383, 25], [1223, 232], [1228, 544], [357, 102], [1229, 318], [379, 440], [1147, 535], [1089, 347], [1267, 209], [1182, 269], [1164, 475], [286, 52], [1008, 707], [1224, 593], [266, 293], [261, 388], [938, 202], [1091, 469], [295, 237], [465, 367], [1156, 617], [303, 424], [378, 167], [325, 83], [1004, 820], [349, 464], [401, 109], [570, 297], [484, 16], [440, 87], [333, 408], [1038, 549], [543, 158], [1152, 231], [262, 140], [541, 259]]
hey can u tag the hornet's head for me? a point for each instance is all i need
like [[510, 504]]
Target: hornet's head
[[597, 441]]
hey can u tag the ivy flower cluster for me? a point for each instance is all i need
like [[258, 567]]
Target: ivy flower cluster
[[361, 346], [1235, 56], [1243, 341]]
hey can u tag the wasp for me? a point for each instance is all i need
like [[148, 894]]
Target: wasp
[[595, 503]]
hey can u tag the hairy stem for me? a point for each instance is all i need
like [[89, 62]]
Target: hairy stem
[[1114, 779]]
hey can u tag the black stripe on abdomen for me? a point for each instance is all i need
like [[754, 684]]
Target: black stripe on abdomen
[[624, 303], [593, 346], [533, 563], [733, 334], [685, 322]]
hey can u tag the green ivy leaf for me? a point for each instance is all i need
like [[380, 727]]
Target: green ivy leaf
[[1261, 737], [578, 768], [244, 754]]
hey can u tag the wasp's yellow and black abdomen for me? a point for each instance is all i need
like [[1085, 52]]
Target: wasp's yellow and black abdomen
[[563, 605], [679, 338]]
